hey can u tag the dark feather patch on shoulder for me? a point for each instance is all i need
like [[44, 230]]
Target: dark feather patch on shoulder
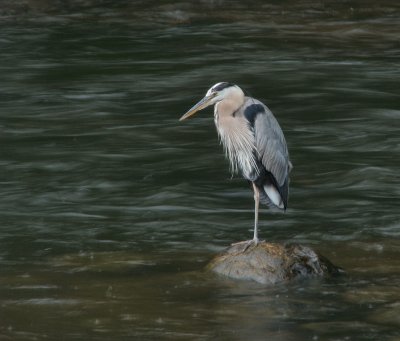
[[252, 111]]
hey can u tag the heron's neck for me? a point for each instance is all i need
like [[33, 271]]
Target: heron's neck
[[228, 106]]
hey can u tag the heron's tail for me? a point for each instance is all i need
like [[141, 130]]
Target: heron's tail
[[271, 194]]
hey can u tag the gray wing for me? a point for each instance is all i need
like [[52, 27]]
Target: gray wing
[[269, 140]]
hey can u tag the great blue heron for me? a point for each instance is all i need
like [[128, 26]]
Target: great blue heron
[[254, 144]]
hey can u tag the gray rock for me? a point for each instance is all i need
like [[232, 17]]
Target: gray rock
[[269, 263]]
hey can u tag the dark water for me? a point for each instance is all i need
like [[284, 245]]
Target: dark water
[[110, 207]]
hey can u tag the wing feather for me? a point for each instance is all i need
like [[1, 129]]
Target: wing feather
[[269, 140], [270, 144]]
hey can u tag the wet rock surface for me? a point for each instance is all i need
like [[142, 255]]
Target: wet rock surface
[[270, 263]]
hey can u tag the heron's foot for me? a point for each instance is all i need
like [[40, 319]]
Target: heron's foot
[[247, 243]]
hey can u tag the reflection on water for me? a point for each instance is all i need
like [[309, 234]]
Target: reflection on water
[[110, 207]]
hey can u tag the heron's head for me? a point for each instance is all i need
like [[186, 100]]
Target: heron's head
[[215, 94]]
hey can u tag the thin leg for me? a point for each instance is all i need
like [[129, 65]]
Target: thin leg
[[256, 205], [255, 240]]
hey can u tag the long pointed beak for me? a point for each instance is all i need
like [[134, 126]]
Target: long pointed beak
[[205, 102]]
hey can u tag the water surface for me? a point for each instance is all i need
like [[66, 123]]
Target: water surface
[[110, 207]]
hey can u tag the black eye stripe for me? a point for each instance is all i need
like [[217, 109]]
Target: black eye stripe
[[222, 86]]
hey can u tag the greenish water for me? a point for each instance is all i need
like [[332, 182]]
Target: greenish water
[[110, 207]]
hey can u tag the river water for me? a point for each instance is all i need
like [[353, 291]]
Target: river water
[[110, 208]]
